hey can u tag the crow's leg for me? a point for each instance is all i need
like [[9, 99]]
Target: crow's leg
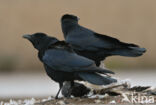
[[60, 87]]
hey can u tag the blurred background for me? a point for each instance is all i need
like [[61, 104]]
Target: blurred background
[[22, 74]]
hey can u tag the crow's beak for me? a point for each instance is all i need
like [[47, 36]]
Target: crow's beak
[[27, 36]]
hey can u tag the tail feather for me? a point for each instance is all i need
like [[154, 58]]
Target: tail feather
[[100, 70], [96, 78], [129, 51]]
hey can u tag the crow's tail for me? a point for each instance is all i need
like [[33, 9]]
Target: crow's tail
[[96, 78], [129, 50]]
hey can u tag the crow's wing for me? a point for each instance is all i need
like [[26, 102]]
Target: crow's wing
[[84, 39], [63, 60]]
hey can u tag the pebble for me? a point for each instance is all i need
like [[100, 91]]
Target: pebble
[[97, 101], [61, 103], [113, 102]]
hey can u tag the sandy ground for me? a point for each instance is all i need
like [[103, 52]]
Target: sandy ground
[[117, 100], [87, 101], [126, 96]]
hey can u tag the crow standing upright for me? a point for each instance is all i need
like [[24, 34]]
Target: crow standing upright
[[92, 45], [63, 64]]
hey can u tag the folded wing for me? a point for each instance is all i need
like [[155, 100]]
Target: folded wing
[[67, 61]]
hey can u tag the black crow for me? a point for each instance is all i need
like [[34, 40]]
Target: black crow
[[63, 64], [95, 46]]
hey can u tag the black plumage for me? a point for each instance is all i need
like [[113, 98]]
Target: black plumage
[[78, 90], [95, 46], [63, 64]]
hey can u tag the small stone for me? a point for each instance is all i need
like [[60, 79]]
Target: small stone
[[61, 103], [97, 101], [113, 102]]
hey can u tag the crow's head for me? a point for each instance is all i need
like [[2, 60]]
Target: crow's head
[[69, 17], [40, 40]]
